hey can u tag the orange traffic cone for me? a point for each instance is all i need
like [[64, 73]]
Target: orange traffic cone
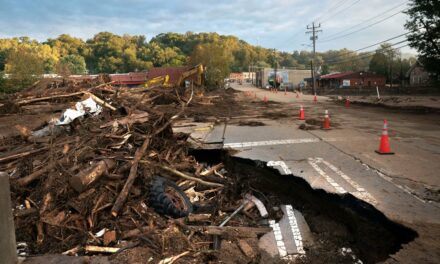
[[265, 99], [301, 113], [384, 147], [326, 124], [347, 102], [315, 99]]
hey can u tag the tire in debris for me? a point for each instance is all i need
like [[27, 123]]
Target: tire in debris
[[168, 199]]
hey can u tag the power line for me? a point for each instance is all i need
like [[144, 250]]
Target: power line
[[366, 20], [324, 13], [372, 45], [342, 10], [366, 55], [363, 28]]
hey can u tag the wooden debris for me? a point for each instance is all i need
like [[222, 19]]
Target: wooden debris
[[198, 217], [183, 175], [231, 231], [109, 237], [131, 177], [47, 98], [211, 170], [173, 259], [35, 175], [246, 248], [82, 180], [100, 101], [98, 249]]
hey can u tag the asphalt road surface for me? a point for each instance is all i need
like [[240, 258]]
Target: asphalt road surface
[[405, 186]]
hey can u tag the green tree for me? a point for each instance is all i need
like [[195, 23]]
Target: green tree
[[424, 28], [24, 67], [71, 64], [216, 58]]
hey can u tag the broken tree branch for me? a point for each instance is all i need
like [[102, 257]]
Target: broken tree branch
[[35, 175], [131, 177], [180, 174]]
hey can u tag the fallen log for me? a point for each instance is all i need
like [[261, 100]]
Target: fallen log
[[182, 175], [131, 177], [83, 179], [35, 175], [21, 155], [33, 100]]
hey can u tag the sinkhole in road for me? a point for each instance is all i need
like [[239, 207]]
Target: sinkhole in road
[[336, 221]]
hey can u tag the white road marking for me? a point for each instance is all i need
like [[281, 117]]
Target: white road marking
[[271, 142], [295, 229], [360, 193], [285, 142], [278, 238], [314, 164], [280, 164]]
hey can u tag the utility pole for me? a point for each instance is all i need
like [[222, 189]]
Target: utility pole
[[275, 68], [314, 29]]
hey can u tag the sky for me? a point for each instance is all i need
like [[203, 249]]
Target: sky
[[272, 24]]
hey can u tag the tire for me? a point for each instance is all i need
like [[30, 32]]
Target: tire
[[168, 199]]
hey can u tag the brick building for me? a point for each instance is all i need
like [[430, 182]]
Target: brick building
[[351, 79]]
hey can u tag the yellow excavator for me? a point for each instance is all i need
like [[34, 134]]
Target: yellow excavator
[[196, 70], [163, 80], [159, 80]]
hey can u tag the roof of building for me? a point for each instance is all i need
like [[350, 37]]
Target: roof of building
[[129, 78], [336, 75], [350, 74]]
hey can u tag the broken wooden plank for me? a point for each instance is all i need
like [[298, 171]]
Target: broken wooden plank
[[99, 249], [246, 248]]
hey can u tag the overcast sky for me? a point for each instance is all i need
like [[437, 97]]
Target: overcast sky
[[273, 24]]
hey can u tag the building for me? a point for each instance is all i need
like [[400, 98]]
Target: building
[[285, 77], [417, 75], [248, 75], [236, 76], [129, 79], [351, 79]]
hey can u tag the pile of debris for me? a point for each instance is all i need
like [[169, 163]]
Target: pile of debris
[[107, 175]]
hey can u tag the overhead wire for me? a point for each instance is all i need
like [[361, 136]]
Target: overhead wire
[[342, 10], [366, 20], [366, 55], [363, 28]]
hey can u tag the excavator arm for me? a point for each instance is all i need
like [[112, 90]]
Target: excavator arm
[[159, 80], [196, 70]]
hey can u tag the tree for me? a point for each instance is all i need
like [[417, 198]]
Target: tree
[[24, 67], [424, 28], [216, 58], [71, 64]]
